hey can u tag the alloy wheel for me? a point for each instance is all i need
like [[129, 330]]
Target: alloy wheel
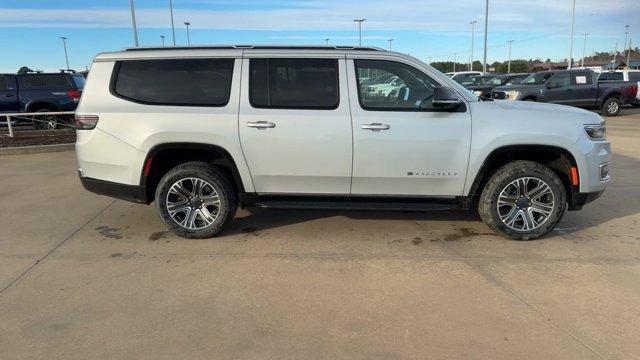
[[525, 204], [193, 203]]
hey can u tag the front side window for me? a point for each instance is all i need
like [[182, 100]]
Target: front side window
[[537, 79], [410, 89], [181, 82], [294, 83]]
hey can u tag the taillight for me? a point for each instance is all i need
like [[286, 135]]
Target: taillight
[[74, 94], [86, 122]]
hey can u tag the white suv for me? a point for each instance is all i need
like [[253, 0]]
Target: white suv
[[201, 130]]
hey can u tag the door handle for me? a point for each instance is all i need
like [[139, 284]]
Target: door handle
[[375, 126], [261, 125]]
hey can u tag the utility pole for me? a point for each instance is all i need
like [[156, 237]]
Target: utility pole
[[186, 23], [359, 21], [326, 41], [584, 49], [473, 30], [573, 22], [133, 22], [162, 38], [486, 29], [615, 52], [509, 63], [64, 44], [173, 28], [390, 41]]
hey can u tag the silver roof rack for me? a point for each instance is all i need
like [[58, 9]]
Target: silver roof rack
[[263, 47]]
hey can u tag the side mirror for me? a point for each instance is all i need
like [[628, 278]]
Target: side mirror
[[552, 85], [445, 98]]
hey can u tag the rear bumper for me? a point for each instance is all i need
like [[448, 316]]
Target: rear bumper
[[578, 200], [131, 193]]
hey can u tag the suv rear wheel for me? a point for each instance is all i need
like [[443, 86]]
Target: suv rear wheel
[[523, 200], [195, 200], [47, 122]]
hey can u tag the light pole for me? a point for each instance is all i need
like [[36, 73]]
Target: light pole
[[326, 41], [66, 56], [359, 21], [486, 29], [615, 52], [509, 63], [162, 38], [186, 23], [173, 28], [133, 22], [626, 34], [455, 59], [390, 41], [573, 22], [584, 49], [473, 30], [629, 54]]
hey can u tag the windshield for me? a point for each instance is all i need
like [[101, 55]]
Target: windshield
[[537, 79]]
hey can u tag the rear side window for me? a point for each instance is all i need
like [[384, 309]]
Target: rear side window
[[181, 82], [610, 76], [44, 82], [294, 83], [79, 81], [581, 78]]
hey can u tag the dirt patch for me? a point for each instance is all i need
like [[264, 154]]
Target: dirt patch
[[36, 137], [416, 241], [109, 232], [463, 234], [158, 235]]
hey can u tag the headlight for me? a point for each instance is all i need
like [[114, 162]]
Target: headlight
[[596, 132], [477, 93], [511, 94]]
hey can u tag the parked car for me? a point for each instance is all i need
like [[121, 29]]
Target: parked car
[[623, 75], [461, 76], [477, 80], [578, 88], [201, 131], [484, 89], [40, 92]]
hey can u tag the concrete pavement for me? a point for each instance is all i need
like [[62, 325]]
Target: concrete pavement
[[84, 276]]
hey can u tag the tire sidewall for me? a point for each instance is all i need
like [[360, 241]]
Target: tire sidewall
[[605, 107], [227, 205], [501, 179]]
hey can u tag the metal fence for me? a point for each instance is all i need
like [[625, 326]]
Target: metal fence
[[41, 120]]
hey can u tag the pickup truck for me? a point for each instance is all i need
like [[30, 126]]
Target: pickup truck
[[579, 88], [40, 92], [623, 75]]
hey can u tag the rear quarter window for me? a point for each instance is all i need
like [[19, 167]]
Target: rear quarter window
[[634, 76], [180, 82], [44, 82]]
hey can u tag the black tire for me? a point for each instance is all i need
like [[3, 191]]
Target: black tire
[[506, 175], [611, 107], [40, 124], [218, 180], [530, 99]]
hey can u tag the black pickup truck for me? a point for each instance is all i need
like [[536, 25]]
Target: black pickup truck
[[578, 88], [40, 92]]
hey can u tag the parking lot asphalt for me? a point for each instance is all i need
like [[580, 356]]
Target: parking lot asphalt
[[84, 276]]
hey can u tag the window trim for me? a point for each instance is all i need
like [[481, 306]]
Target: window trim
[[461, 108], [255, 106], [116, 71]]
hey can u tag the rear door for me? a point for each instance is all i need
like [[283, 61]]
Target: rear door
[[561, 91], [8, 94], [585, 90], [294, 122], [401, 144]]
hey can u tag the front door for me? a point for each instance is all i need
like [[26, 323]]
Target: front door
[[402, 144], [559, 90], [294, 122]]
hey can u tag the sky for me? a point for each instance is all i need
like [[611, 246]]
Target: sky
[[435, 30]]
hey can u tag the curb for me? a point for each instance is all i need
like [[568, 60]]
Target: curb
[[36, 149]]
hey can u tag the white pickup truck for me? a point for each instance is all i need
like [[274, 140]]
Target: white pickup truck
[[203, 130]]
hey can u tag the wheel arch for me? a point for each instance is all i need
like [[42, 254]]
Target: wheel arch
[[558, 159], [163, 157], [35, 105]]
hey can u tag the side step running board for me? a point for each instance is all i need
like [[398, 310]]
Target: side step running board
[[343, 205]]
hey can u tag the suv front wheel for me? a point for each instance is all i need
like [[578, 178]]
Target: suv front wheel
[[523, 200], [195, 200]]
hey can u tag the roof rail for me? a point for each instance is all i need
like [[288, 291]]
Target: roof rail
[[264, 47]]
